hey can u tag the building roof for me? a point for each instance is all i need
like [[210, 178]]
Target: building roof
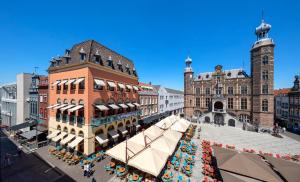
[[147, 89], [282, 91], [92, 49], [229, 74], [169, 90]]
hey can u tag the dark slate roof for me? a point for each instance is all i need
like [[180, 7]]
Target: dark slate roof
[[91, 49]]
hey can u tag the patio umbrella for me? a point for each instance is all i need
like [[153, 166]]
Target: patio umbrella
[[164, 144], [289, 170], [150, 160]]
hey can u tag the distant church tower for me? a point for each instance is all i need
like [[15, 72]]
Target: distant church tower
[[188, 89], [262, 72]]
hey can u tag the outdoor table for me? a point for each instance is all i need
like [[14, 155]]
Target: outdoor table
[[135, 177], [166, 177], [121, 169], [187, 167], [112, 164]]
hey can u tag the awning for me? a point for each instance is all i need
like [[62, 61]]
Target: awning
[[129, 87], [101, 139], [67, 107], [70, 81], [123, 106], [49, 107], [53, 134], [59, 137], [30, 134], [130, 105], [60, 106], [111, 84], [55, 83], [137, 104], [135, 88], [63, 82], [121, 85], [113, 134], [79, 80], [99, 82], [113, 106], [75, 108], [75, 142], [102, 107], [23, 125], [67, 139], [137, 126], [123, 130]]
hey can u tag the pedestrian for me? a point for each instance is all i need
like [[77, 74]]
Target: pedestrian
[[84, 170], [19, 151], [93, 180], [88, 170]]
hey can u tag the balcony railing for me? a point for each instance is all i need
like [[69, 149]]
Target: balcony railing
[[80, 121], [108, 119], [58, 116], [65, 117]]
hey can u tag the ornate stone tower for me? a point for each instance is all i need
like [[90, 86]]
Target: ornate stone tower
[[189, 97], [262, 72]]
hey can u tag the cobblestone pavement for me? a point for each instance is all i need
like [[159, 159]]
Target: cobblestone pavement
[[250, 140], [75, 171]]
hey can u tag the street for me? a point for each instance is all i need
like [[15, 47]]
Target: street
[[27, 167]]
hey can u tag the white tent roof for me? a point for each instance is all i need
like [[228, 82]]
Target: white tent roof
[[164, 144], [173, 135], [150, 160], [67, 139], [75, 142], [153, 132], [165, 123], [53, 134], [179, 126], [119, 151], [59, 137], [184, 122]]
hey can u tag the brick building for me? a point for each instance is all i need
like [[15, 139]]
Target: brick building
[[294, 105], [281, 109], [233, 97], [149, 103], [93, 98]]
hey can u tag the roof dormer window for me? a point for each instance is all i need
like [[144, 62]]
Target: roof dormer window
[[110, 62], [134, 71], [229, 74], [120, 65], [199, 77], [82, 55], [98, 59], [128, 69], [67, 56], [207, 76]]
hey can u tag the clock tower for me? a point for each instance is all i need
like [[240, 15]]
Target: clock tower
[[262, 72], [189, 97]]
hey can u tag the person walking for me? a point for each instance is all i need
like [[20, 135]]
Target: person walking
[[93, 180], [88, 170], [85, 170]]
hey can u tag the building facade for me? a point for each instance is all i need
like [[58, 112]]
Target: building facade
[[281, 108], [149, 103], [8, 104], [233, 95], [38, 100], [93, 97], [170, 101], [294, 105], [24, 81]]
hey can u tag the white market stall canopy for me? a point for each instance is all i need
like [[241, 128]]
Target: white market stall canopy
[[149, 150], [53, 134]]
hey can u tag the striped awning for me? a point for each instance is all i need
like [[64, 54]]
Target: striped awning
[[75, 108], [123, 106], [113, 106], [67, 107], [60, 106], [79, 80], [99, 82], [70, 81], [56, 82], [111, 84], [121, 85], [129, 87], [130, 105], [49, 107], [102, 107], [135, 88], [137, 104], [63, 82], [53, 134], [75, 142], [67, 139]]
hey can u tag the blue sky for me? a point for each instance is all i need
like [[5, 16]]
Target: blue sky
[[156, 35]]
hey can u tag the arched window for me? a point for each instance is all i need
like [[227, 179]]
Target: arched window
[[72, 131], [73, 102], [81, 133], [81, 102], [58, 127], [197, 91], [65, 129], [65, 101], [58, 101], [264, 105], [265, 60]]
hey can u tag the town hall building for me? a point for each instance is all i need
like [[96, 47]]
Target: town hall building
[[233, 97]]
